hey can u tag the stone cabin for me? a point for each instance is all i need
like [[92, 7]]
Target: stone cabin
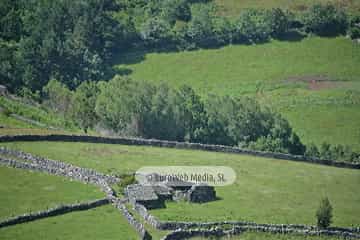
[[154, 196]]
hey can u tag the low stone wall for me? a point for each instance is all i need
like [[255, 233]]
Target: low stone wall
[[173, 144], [216, 228], [181, 234], [53, 167], [144, 235], [150, 219], [53, 212]]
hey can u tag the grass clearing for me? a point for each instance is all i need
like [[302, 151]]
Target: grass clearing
[[22, 191], [266, 190], [104, 222]]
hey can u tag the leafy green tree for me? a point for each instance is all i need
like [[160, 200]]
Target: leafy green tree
[[325, 20], [58, 97], [324, 213], [84, 101], [156, 32], [325, 151], [312, 151], [10, 20], [200, 28], [173, 10], [279, 22], [192, 115], [123, 105], [253, 26]]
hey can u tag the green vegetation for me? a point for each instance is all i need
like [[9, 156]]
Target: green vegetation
[[100, 223], [266, 190], [319, 97], [268, 236], [23, 191], [233, 7], [35, 115], [324, 213]]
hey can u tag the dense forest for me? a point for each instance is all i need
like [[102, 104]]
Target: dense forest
[[60, 53]]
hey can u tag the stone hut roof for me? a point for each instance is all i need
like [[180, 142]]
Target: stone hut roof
[[141, 193], [162, 190]]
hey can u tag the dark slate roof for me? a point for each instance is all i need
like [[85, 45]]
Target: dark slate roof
[[162, 190], [141, 192]]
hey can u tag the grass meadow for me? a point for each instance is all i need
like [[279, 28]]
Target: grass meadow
[[266, 190], [313, 82], [24, 191], [104, 222]]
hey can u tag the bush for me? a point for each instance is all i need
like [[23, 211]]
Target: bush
[[200, 29], [279, 22], [312, 151], [156, 32], [325, 20], [324, 213], [253, 25], [354, 32]]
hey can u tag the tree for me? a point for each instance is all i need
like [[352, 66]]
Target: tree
[[84, 101], [325, 20], [253, 26], [123, 105], [312, 151], [200, 28], [279, 22], [58, 97], [324, 213], [156, 32], [325, 152]]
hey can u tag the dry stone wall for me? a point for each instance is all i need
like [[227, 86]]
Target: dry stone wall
[[53, 212], [30, 162], [173, 144], [53, 167], [144, 235], [181, 234]]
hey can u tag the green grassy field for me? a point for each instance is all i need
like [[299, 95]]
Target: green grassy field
[[23, 191], [233, 7], [314, 82], [266, 236], [100, 223], [266, 190]]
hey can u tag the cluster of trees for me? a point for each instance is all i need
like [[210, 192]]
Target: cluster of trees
[[76, 40], [70, 40], [136, 108], [141, 109], [333, 152]]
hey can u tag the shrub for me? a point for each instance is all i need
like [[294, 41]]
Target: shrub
[[325, 20], [156, 32], [312, 151], [200, 28], [253, 26], [57, 97], [354, 32], [279, 22], [324, 213]]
